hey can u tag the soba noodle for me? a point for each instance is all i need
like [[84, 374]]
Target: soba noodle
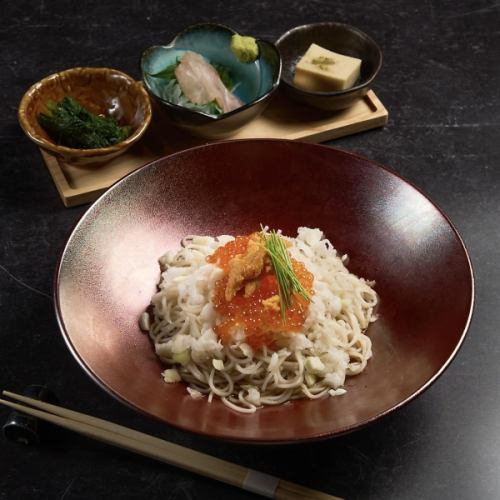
[[309, 364]]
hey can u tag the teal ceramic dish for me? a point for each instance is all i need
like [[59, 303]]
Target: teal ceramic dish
[[255, 83]]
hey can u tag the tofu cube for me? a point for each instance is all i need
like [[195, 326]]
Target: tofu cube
[[322, 70]]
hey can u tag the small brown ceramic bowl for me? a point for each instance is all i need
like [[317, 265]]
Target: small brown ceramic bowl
[[338, 37], [100, 90], [392, 233]]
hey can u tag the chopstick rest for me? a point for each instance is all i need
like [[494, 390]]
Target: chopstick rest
[[27, 429]]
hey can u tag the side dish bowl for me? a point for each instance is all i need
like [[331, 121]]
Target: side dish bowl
[[255, 83], [392, 233], [338, 37], [102, 91]]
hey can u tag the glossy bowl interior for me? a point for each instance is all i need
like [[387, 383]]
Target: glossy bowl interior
[[338, 37], [392, 233], [254, 82], [102, 91]]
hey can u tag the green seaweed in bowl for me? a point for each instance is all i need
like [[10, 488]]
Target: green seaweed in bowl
[[70, 124]]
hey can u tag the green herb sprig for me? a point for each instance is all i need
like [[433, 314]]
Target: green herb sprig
[[288, 282]]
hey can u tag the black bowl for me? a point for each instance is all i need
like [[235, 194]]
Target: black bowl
[[337, 37]]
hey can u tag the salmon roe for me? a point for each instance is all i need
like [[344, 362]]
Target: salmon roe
[[261, 324]]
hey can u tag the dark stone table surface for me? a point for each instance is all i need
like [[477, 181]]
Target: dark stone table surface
[[440, 81]]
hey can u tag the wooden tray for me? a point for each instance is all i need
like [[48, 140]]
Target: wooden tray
[[282, 119]]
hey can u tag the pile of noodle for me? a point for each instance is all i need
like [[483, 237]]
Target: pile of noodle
[[310, 364]]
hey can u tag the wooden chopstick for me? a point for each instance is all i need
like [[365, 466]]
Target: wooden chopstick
[[158, 449]]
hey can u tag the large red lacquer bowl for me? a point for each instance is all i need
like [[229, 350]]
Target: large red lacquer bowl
[[392, 233]]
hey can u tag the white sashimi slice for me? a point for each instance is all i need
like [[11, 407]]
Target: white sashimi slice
[[201, 83]]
